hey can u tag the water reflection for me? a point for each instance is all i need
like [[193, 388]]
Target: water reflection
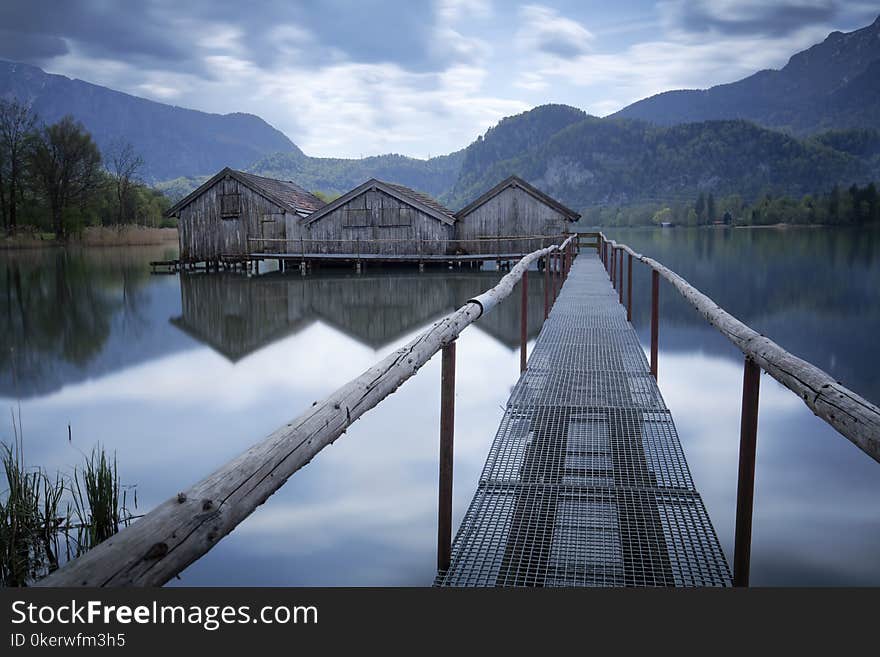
[[68, 315], [180, 374], [237, 315], [817, 293]]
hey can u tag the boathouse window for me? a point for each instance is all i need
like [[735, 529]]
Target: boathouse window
[[230, 200], [230, 206], [395, 215], [356, 218]]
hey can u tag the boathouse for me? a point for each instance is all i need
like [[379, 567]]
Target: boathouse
[[513, 208], [380, 218], [235, 212]]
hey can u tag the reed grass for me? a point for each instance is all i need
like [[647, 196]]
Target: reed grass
[[36, 536]]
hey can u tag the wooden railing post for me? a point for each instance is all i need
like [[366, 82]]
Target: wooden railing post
[[655, 319], [524, 322], [745, 487], [629, 288], [620, 276], [447, 430]]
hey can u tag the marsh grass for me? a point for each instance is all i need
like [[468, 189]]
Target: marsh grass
[[96, 499], [36, 535]]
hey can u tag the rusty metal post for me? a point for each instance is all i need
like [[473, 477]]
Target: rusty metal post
[[553, 279], [745, 487], [629, 288], [447, 430], [620, 276], [611, 265], [546, 286], [655, 319], [524, 321], [614, 267], [555, 276]]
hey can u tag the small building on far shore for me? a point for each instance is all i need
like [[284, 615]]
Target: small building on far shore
[[234, 213], [512, 209]]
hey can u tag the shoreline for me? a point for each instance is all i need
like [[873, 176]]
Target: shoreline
[[94, 236]]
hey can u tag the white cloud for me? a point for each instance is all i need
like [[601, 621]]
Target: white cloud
[[544, 30], [647, 68], [451, 11]]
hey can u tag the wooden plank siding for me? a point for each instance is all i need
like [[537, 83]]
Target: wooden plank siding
[[512, 211], [219, 221], [377, 223]]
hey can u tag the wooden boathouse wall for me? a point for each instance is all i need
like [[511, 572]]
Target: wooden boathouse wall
[[512, 208], [375, 221], [219, 221]]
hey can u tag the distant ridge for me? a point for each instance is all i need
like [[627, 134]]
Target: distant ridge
[[172, 140], [832, 85]]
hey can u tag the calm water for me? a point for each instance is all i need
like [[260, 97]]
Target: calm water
[[180, 374]]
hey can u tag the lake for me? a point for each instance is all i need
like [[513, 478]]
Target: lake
[[179, 373]]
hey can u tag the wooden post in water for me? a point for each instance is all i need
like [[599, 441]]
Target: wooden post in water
[[745, 486], [655, 319], [629, 288], [447, 430], [523, 322]]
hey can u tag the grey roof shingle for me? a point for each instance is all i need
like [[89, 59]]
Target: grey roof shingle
[[285, 190], [424, 199], [285, 193]]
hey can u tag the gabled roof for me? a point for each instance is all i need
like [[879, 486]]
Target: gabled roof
[[419, 201], [285, 194], [516, 181]]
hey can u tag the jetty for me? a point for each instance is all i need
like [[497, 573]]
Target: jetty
[[586, 483]]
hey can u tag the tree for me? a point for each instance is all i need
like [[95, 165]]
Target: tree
[[700, 207], [834, 205], [16, 131], [661, 216], [710, 209], [67, 167], [124, 164]]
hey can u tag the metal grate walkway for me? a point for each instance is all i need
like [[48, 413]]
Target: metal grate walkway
[[586, 483]]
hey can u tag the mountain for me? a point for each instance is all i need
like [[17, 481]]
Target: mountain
[[832, 85], [437, 176], [802, 129], [595, 161], [172, 140], [332, 175]]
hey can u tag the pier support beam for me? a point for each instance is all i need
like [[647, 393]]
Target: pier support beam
[[447, 428], [745, 487], [655, 319]]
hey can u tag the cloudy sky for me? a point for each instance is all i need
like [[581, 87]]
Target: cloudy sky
[[347, 78]]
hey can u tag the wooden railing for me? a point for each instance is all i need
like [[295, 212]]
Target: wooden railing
[[181, 530], [307, 246], [851, 415]]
